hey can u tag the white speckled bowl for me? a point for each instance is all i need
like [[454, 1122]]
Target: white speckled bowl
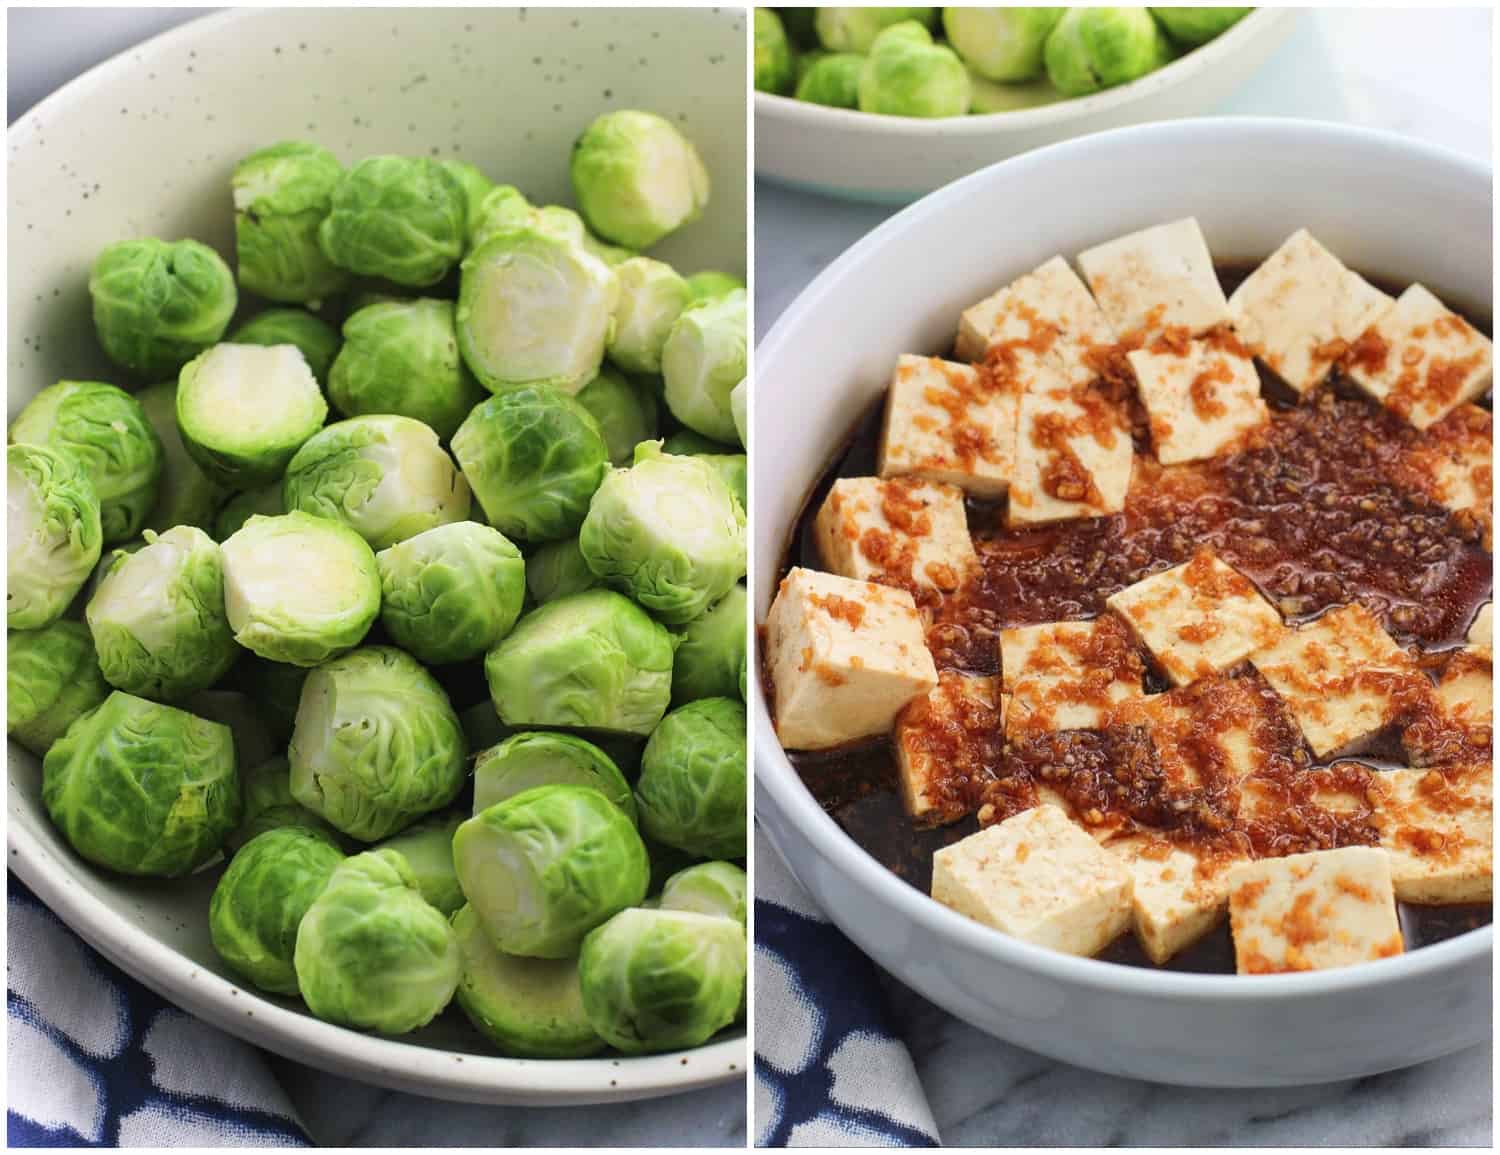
[[144, 144], [1388, 206]]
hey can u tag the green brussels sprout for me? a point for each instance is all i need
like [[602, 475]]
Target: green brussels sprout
[[557, 569], [652, 296], [803, 62], [534, 457], [636, 178], [276, 688], [158, 617], [534, 309], [185, 495], [593, 659], [371, 953], [427, 846], [261, 900], [1194, 26], [711, 651], [855, 29], [668, 532], [1001, 43], [143, 788], [717, 888], [281, 196], [987, 96], [739, 406], [705, 357], [107, 431], [253, 742], [398, 217], [476, 187], [1096, 48], [625, 411], [713, 283], [386, 477], [832, 79], [264, 501], [298, 588], [158, 304], [545, 867], [107, 561], [531, 1008], [906, 74], [376, 744], [315, 338], [244, 410], [537, 758], [51, 680], [662, 980], [53, 537], [773, 53], [734, 468], [267, 804], [691, 792], [402, 357], [451, 593], [502, 209]]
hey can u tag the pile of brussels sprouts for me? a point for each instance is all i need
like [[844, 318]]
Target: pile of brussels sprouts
[[454, 682], [886, 60]]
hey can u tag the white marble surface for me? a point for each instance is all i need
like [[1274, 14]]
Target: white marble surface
[[1424, 73]]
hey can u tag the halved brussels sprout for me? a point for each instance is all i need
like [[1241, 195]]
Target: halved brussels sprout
[[855, 29], [594, 659], [402, 357], [185, 495], [376, 744], [1095, 48], [906, 74], [534, 457], [399, 217], [298, 588], [476, 187], [51, 680], [636, 178], [545, 867], [691, 792], [528, 760], [711, 651], [832, 80], [261, 900], [556, 570], [315, 338], [666, 531], [53, 538], [717, 888], [264, 501], [503, 208], [107, 561], [1001, 43], [427, 846], [528, 1007], [107, 431], [244, 410], [281, 195], [158, 617], [386, 477], [625, 410], [371, 953], [662, 980], [157, 305], [712, 283], [652, 297], [1197, 25], [143, 788], [773, 53], [449, 594], [705, 357], [266, 790]]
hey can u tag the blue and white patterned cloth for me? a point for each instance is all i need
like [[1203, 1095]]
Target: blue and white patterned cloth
[[828, 1070], [98, 1060]]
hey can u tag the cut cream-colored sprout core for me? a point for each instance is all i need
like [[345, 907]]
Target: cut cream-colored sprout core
[[249, 395], [131, 594]]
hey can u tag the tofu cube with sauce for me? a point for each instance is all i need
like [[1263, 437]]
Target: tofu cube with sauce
[[1202, 394], [1466, 689], [948, 745], [1067, 675], [1317, 911], [1301, 309], [1482, 629], [844, 658], [1453, 463], [1437, 826], [1159, 277], [1421, 360], [1177, 896], [897, 531], [949, 423], [1073, 458], [1040, 878]]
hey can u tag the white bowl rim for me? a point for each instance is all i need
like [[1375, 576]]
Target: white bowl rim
[[1024, 119], [776, 775]]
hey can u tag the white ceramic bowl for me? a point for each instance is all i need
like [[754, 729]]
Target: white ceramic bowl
[[144, 144], [1387, 206], [893, 159]]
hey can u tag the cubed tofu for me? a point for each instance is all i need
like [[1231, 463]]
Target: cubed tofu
[[1302, 309], [1482, 629], [1157, 278], [948, 747], [1198, 618], [950, 423], [1342, 676], [844, 657], [1437, 826], [1330, 908], [897, 531], [1466, 691], [1421, 360], [1453, 463], [1067, 675], [1202, 395], [1073, 458], [1037, 877], [1177, 896]]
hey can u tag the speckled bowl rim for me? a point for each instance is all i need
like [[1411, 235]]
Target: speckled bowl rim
[[774, 772], [296, 1034]]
